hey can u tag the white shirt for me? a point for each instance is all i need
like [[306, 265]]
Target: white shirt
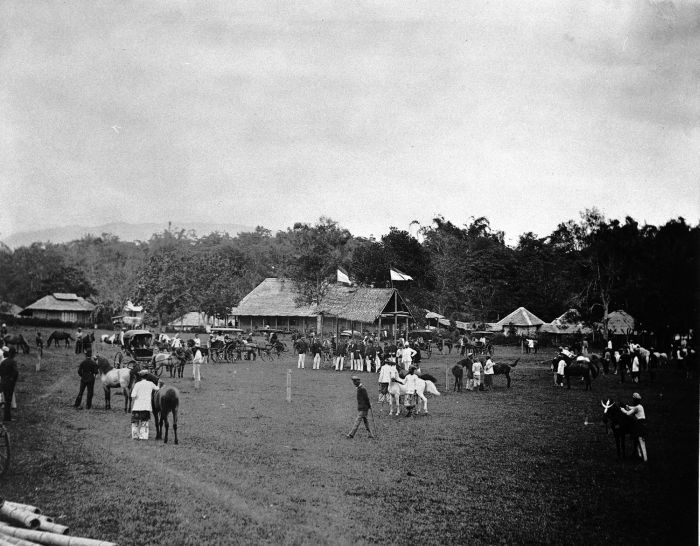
[[635, 364], [488, 368], [198, 358], [561, 366], [197, 342], [476, 368], [141, 393], [411, 382], [176, 343], [635, 411], [387, 373], [407, 355]]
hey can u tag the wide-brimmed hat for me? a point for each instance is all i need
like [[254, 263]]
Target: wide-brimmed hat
[[636, 396], [355, 378]]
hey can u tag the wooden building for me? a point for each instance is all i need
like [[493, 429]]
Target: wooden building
[[68, 308], [274, 303]]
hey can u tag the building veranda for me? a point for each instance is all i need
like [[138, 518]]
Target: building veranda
[[274, 304]]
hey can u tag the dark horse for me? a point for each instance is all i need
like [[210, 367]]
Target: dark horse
[[581, 368], [57, 336], [18, 341], [504, 369], [620, 423], [165, 400]]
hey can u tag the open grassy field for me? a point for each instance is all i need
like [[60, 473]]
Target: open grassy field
[[515, 466]]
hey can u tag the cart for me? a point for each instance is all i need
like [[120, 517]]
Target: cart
[[137, 349]]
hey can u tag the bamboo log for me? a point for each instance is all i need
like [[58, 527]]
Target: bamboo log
[[48, 525], [28, 519], [50, 539], [12, 541], [27, 507]]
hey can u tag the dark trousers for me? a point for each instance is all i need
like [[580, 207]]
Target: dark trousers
[[8, 390], [90, 389], [361, 418]]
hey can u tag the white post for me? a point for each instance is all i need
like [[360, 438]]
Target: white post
[[38, 362], [289, 385], [447, 377]]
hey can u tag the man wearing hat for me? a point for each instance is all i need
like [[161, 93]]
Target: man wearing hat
[[87, 371], [8, 379], [363, 406], [639, 430]]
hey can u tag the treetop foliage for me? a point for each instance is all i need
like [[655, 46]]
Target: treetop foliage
[[466, 272]]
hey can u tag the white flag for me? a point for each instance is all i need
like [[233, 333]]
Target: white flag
[[343, 276], [397, 275]]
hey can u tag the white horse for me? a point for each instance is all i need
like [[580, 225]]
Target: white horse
[[397, 389], [113, 378], [108, 339]]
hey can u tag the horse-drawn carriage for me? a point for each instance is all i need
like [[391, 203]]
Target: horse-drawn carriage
[[481, 345], [423, 340], [226, 346], [137, 349]]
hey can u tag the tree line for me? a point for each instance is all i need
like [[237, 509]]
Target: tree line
[[464, 272]]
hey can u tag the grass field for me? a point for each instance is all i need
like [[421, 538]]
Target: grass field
[[515, 466]]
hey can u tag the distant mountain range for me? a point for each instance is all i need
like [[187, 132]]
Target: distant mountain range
[[123, 230]]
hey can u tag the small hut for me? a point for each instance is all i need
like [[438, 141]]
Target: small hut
[[522, 321]]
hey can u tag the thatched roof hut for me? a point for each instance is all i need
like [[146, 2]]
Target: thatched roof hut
[[524, 322], [63, 307], [275, 303], [620, 323]]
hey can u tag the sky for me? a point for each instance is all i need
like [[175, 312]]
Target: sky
[[375, 114]]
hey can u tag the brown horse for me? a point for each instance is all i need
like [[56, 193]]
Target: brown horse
[[57, 336], [165, 400], [18, 341], [504, 369]]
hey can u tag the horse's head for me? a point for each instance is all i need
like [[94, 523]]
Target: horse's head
[[103, 364]]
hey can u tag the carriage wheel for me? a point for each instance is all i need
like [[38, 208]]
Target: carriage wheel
[[118, 360], [4, 450]]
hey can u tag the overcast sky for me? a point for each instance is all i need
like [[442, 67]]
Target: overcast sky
[[372, 113]]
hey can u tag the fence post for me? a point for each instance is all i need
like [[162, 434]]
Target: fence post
[[38, 362], [289, 385]]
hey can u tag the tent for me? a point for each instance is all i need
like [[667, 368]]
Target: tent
[[620, 323]]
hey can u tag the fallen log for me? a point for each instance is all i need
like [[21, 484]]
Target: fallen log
[[49, 539]]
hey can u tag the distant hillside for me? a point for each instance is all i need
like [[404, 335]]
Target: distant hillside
[[126, 232]]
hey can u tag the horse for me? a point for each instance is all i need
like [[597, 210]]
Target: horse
[[109, 340], [18, 341], [113, 378], [581, 367], [57, 336], [173, 362], [504, 369], [620, 423], [397, 389], [84, 342], [165, 400]]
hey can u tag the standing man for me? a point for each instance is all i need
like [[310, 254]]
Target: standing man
[[363, 406], [410, 381], [477, 367], [316, 349], [196, 361], [488, 373], [8, 380], [141, 407], [79, 341], [301, 350], [387, 373], [87, 371]]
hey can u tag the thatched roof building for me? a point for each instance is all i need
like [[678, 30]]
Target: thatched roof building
[[62, 307], [620, 323], [275, 303], [524, 322]]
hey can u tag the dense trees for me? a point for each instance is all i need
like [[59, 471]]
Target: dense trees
[[464, 272]]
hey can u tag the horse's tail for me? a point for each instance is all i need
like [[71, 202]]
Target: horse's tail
[[514, 364], [595, 369], [430, 388]]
